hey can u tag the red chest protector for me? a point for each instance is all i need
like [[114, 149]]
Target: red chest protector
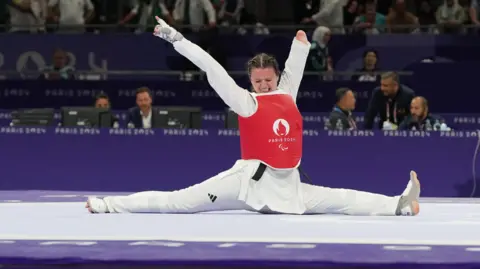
[[273, 134]]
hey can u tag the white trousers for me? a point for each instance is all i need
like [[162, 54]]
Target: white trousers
[[222, 192]]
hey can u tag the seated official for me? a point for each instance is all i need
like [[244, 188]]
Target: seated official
[[102, 101], [420, 118], [142, 115], [341, 116], [391, 102]]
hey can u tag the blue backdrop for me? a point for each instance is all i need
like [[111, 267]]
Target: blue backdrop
[[136, 160], [452, 78], [144, 52], [445, 94]]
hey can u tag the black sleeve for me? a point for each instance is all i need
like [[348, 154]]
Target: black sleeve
[[131, 117], [298, 11], [405, 125], [334, 119]]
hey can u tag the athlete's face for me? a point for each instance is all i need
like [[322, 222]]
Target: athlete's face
[[264, 79]]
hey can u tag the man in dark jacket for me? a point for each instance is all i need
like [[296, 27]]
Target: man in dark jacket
[[143, 115], [341, 115], [420, 118], [391, 101]]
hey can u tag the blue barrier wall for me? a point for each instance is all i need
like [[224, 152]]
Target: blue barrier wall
[[313, 120], [446, 84], [136, 160], [144, 52], [445, 93]]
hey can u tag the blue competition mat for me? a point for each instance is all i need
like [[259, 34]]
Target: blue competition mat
[[41, 228]]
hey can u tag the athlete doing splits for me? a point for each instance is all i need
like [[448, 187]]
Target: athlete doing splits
[[266, 179]]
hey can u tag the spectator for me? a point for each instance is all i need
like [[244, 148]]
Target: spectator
[[303, 10], [350, 12], [426, 14], [371, 22], [102, 101], [399, 20], [341, 116], [233, 12], [59, 70], [27, 16], [420, 118], [143, 114], [191, 14], [229, 11], [450, 17], [318, 58], [384, 6], [474, 12], [106, 12], [465, 4], [145, 11], [369, 69], [391, 101], [71, 15], [330, 15]]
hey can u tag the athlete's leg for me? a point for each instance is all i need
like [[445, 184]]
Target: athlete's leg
[[321, 200], [217, 193]]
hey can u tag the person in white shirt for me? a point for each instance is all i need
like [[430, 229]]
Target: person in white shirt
[[72, 15], [330, 15], [144, 10], [266, 179], [194, 13], [27, 16]]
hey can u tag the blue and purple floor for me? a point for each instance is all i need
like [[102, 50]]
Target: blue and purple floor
[[50, 227]]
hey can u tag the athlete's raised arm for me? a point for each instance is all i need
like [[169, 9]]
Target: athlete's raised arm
[[238, 99], [294, 66]]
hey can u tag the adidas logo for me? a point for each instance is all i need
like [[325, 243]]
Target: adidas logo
[[212, 197]]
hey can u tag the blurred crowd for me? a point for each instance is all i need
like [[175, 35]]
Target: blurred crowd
[[389, 16], [209, 18], [78, 16], [342, 16]]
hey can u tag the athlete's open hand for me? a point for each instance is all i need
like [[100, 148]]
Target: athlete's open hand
[[165, 31], [302, 37]]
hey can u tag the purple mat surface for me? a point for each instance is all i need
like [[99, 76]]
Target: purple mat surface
[[45, 227]]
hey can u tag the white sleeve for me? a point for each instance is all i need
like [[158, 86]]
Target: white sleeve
[[163, 8], [238, 8], [210, 10], [238, 99], [326, 10], [294, 66], [135, 7]]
